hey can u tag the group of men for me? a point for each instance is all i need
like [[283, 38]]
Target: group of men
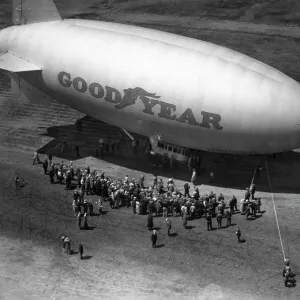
[[66, 245], [108, 146], [158, 199]]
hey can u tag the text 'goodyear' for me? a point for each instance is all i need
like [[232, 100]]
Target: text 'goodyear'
[[149, 100]]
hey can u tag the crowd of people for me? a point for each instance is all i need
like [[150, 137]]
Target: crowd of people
[[158, 199]]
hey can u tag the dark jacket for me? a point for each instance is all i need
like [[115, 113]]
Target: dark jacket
[[154, 237], [150, 221]]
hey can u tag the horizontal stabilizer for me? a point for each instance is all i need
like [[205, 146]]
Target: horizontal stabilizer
[[14, 64], [23, 90]]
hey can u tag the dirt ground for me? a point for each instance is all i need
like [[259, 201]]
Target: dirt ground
[[120, 263]]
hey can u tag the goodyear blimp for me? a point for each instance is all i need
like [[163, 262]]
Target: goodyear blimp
[[173, 89]]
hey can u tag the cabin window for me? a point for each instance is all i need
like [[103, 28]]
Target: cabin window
[[179, 151], [161, 145], [170, 148], [175, 150]]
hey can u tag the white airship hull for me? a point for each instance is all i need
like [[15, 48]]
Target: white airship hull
[[189, 97]]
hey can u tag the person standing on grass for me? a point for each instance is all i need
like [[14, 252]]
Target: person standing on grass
[[169, 226], [80, 250], [154, 238], [238, 234]]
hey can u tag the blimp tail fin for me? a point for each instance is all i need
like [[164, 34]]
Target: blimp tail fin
[[34, 11], [22, 90], [23, 72]]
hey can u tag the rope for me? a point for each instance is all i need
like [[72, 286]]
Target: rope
[[253, 176], [275, 209], [54, 148]]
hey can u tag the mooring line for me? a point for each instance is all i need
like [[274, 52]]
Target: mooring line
[[275, 209]]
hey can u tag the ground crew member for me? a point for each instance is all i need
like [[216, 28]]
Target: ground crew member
[[80, 250], [253, 209], [150, 222], [165, 211], [193, 210], [168, 222], [51, 175], [134, 205], [36, 158], [59, 176], [63, 242], [287, 262], [158, 207], [194, 177], [247, 194], [100, 205], [68, 180], [247, 212], [45, 166], [154, 238], [219, 220], [85, 207], [67, 245], [209, 221], [74, 206], [91, 208], [186, 190], [238, 234], [234, 202], [79, 220], [258, 204], [85, 225], [17, 182], [184, 220], [287, 273], [252, 190], [228, 217]]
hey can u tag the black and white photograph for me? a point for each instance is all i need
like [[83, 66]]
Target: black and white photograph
[[149, 149]]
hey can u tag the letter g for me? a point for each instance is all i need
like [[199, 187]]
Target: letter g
[[64, 79]]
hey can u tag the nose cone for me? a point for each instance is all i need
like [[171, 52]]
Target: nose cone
[[268, 113], [286, 109]]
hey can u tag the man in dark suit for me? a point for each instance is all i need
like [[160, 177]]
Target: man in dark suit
[[169, 226], [154, 238], [80, 250]]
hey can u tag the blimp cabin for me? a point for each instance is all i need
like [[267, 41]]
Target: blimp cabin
[[162, 148]]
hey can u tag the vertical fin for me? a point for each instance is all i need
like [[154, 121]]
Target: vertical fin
[[34, 11]]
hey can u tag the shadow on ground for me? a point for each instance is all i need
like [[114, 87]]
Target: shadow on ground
[[231, 171]]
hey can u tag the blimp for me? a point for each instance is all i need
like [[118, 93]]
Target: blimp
[[182, 93]]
